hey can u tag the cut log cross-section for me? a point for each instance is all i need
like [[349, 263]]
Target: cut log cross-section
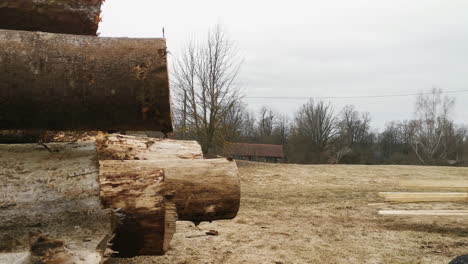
[[50, 206], [79, 17], [147, 217], [68, 82]]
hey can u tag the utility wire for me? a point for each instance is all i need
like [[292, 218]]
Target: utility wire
[[348, 97]]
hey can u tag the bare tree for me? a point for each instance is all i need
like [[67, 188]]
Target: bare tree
[[432, 119], [205, 87], [312, 132], [354, 127], [249, 131], [234, 124], [354, 140], [266, 123], [452, 143], [395, 143], [281, 130]]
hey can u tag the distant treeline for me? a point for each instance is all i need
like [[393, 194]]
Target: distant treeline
[[208, 107], [320, 134]]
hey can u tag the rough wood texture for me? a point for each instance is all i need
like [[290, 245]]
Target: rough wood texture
[[79, 17], [121, 147], [67, 82], [202, 189], [406, 197], [434, 183], [148, 222], [49, 204]]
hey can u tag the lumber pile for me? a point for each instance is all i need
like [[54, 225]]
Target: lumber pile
[[419, 197], [80, 197]]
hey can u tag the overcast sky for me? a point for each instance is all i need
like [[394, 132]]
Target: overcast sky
[[315, 48]]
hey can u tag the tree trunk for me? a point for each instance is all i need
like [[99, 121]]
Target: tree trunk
[[50, 206], [79, 17], [202, 190], [68, 82]]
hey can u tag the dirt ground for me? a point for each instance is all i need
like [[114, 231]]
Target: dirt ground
[[323, 214]]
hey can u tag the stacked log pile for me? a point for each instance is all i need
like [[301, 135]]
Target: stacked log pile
[[82, 199], [149, 183]]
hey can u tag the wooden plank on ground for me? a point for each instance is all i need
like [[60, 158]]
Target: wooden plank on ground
[[434, 183], [411, 197], [425, 212]]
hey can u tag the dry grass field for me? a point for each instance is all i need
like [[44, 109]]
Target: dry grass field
[[321, 214]]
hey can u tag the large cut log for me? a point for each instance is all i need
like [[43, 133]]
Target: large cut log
[[147, 216], [50, 206], [80, 17], [67, 82], [202, 189]]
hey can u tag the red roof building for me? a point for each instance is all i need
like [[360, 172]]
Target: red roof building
[[255, 152]]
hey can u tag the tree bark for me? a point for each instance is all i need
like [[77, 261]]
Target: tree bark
[[79, 17], [68, 82], [202, 189], [50, 206]]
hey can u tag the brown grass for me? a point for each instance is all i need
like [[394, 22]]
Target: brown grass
[[321, 214]]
